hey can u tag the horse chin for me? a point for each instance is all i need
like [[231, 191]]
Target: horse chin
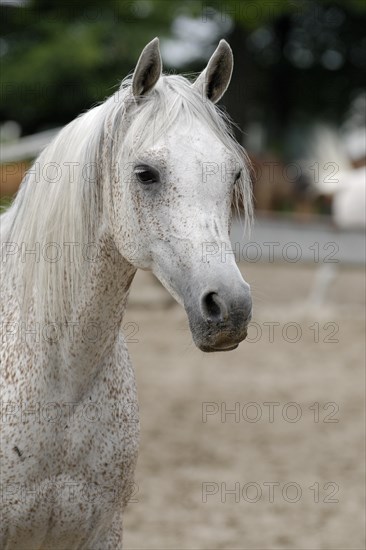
[[220, 342], [211, 349]]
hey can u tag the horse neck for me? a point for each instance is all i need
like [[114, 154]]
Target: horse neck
[[96, 318]]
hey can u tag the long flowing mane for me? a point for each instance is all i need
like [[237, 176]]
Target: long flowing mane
[[60, 200]]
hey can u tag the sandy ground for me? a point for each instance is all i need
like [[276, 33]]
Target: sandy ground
[[292, 479]]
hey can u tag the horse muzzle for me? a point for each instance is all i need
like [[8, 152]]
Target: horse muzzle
[[219, 322]]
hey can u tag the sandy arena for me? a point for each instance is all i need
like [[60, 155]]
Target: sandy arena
[[292, 479]]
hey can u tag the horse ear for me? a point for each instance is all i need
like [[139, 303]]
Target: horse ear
[[148, 69], [215, 79]]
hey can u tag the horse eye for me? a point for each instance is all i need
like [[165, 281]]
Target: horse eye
[[146, 175], [238, 176]]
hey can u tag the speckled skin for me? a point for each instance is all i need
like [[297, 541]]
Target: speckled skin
[[68, 466], [93, 442]]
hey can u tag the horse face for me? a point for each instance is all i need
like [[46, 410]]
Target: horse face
[[180, 190], [182, 199]]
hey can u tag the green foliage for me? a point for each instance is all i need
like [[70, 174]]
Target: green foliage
[[60, 58]]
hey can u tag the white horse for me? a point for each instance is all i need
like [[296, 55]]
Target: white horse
[[337, 177], [145, 180]]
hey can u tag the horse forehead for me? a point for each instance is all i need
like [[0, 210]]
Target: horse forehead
[[200, 142], [200, 146]]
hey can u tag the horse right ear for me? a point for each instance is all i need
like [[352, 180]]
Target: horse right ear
[[148, 69]]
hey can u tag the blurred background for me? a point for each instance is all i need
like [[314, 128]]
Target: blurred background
[[298, 97], [297, 94]]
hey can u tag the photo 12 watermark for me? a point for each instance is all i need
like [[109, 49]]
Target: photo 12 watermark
[[269, 412], [269, 251], [68, 413], [68, 491], [252, 492], [52, 332]]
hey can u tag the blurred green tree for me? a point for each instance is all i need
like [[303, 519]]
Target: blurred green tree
[[59, 58], [294, 60], [301, 63]]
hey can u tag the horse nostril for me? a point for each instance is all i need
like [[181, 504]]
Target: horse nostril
[[213, 307]]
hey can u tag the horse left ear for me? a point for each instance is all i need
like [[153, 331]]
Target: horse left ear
[[148, 69], [215, 79]]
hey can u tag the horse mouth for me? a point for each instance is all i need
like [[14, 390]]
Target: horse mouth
[[225, 344], [211, 349]]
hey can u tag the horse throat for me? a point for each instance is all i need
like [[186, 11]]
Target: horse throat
[[95, 321]]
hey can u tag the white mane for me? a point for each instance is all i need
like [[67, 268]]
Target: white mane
[[60, 198]]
